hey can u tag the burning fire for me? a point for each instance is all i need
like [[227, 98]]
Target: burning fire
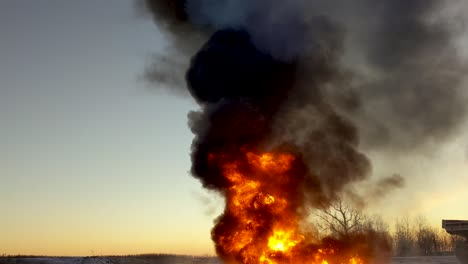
[[260, 224]]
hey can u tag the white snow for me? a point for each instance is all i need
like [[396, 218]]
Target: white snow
[[186, 260]]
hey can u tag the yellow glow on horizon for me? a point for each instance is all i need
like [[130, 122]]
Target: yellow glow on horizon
[[72, 244]]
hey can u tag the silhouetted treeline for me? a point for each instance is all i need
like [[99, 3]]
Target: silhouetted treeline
[[414, 236], [407, 236]]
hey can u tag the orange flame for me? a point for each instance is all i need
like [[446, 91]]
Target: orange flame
[[261, 220]]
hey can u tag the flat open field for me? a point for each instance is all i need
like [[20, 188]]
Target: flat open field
[[428, 260], [156, 259]]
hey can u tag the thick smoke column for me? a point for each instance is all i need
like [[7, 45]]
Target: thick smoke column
[[401, 77], [255, 82], [293, 77]]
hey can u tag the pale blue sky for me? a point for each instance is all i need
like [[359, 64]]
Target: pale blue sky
[[93, 161], [86, 146]]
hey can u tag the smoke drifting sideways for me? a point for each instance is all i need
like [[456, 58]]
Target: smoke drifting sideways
[[392, 67], [258, 80], [307, 73]]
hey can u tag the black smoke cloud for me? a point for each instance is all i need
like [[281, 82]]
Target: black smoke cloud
[[406, 86], [401, 76], [309, 73]]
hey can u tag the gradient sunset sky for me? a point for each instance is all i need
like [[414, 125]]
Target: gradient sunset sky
[[95, 161]]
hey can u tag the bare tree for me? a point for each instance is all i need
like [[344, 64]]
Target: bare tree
[[410, 237], [376, 223], [447, 242], [416, 237], [340, 219], [427, 241], [403, 237]]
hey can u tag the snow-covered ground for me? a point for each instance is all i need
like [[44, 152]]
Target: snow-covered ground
[[426, 260], [185, 260], [111, 260]]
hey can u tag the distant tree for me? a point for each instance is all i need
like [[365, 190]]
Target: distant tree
[[410, 236], [427, 241], [340, 219], [447, 242], [376, 223], [403, 238], [416, 237]]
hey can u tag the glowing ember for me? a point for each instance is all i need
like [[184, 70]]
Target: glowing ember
[[260, 224]]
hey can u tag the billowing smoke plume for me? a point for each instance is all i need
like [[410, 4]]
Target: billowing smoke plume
[[412, 94], [301, 75], [401, 75], [260, 79]]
